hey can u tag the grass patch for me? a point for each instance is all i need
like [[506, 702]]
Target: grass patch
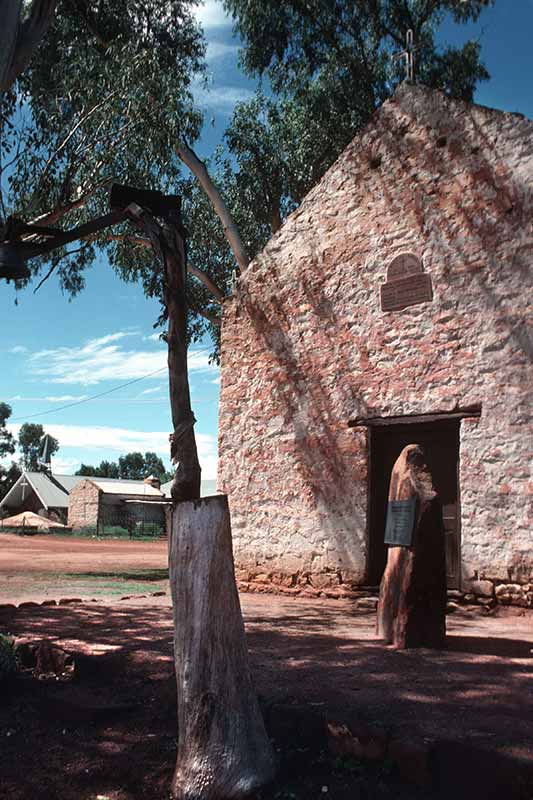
[[149, 575], [145, 534]]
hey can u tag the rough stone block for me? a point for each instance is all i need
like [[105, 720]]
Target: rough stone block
[[511, 594], [324, 580], [483, 588]]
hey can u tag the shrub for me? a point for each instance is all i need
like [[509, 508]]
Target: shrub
[[8, 656]]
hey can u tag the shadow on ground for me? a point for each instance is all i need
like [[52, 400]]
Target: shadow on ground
[[111, 729]]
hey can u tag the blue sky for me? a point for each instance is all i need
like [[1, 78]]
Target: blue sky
[[56, 352]]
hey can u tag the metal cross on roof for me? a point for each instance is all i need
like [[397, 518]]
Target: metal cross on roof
[[408, 56], [24, 486]]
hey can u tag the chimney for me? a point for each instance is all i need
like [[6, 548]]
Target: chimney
[[151, 480]]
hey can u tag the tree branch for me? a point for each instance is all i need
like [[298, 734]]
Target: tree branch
[[202, 276], [52, 268], [198, 168], [71, 133], [212, 318], [51, 217]]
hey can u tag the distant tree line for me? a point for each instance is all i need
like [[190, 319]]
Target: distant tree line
[[29, 443], [132, 466]]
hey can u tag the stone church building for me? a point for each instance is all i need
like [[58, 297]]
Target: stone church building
[[390, 308]]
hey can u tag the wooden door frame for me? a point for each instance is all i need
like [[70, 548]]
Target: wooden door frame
[[372, 424]]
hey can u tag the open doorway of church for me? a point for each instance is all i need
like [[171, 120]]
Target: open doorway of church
[[440, 440]]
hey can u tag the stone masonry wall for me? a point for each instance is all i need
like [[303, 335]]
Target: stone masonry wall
[[305, 347], [84, 505]]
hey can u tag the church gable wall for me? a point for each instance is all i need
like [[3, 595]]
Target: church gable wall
[[306, 346]]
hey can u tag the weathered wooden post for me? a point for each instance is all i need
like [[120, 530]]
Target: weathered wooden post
[[223, 749], [412, 597]]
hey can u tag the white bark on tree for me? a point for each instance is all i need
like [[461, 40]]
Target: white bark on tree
[[223, 749], [231, 231], [18, 41]]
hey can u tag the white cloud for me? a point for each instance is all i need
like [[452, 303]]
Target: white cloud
[[211, 14], [223, 98], [100, 442], [217, 50], [154, 337], [19, 348], [65, 466], [103, 359], [152, 391], [66, 398]]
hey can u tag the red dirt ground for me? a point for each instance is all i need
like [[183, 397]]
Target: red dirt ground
[[71, 554], [110, 730]]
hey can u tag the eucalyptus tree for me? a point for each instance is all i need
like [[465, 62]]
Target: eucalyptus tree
[[106, 99], [348, 45], [109, 98], [330, 64], [30, 441]]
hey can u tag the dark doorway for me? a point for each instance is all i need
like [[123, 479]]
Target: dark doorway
[[440, 440]]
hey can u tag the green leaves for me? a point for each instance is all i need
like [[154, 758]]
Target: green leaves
[[103, 100], [330, 65], [132, 466], [30, 441]]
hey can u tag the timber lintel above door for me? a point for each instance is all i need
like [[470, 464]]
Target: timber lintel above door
[[415, 419]]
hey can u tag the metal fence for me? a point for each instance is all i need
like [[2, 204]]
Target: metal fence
[[129, 520]]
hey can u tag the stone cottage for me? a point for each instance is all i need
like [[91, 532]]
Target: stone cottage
[[107, 502], [390, 308]]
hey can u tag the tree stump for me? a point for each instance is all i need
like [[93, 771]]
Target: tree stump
[[223, 749], [412, 598]]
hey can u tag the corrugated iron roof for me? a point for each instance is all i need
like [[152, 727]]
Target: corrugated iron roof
[[208, 487], [52, 490], [120, 486]]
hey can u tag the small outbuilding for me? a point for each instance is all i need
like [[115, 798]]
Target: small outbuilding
[[115, 502]]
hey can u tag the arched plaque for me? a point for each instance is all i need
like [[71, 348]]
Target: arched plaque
[[407, 283]]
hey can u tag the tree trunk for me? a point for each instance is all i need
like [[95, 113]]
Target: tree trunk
[[18, 42], [231, 232], [10, 12], [223, 750], [186, 484], [169, 246]]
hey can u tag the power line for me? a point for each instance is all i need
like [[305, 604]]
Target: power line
[[87, 399]]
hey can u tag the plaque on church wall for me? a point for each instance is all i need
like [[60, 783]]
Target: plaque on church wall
[[400, 522], [407, 283]]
